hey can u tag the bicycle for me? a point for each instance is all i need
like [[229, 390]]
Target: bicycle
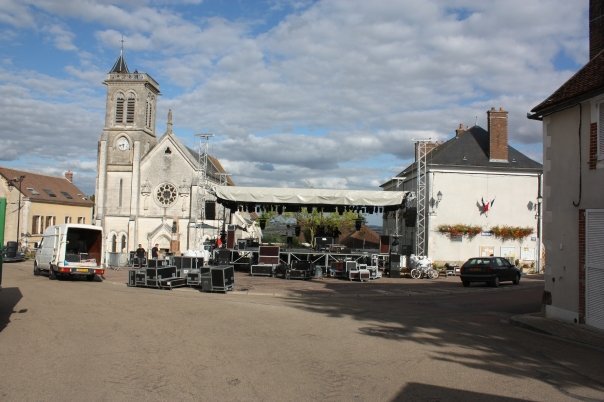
[[424, 272], [421, 267]]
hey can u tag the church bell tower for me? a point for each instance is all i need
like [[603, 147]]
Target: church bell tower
[[128, 135], [130, 111]]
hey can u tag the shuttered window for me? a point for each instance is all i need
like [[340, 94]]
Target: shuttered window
[[119, 109], [130, 111], [35, 225], [594, 268], [601, 131]]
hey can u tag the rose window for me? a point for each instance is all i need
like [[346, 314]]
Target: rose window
[[166, 194]]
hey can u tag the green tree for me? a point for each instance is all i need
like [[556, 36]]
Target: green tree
[[317, 223]]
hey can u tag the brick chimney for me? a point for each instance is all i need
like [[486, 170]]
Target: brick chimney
[[596, 27], [459, 130], [69, 176], [498, 135]]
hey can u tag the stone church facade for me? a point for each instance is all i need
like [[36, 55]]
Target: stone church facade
[[151, 190]]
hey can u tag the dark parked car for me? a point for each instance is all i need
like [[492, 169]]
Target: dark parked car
[[11, 252], [491, 270]]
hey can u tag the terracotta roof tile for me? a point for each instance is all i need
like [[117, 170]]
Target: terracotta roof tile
[[587, 82], [49, 189]]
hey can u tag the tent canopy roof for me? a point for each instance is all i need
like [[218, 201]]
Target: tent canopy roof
[[308, 197]]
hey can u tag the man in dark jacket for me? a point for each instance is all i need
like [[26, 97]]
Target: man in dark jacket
[[141, 255]]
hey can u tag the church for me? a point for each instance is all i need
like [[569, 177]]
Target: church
[[152, 190]]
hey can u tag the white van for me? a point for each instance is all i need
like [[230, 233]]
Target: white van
[[71, 249]]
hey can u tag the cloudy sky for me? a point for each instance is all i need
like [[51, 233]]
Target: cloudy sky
[[298, 93]]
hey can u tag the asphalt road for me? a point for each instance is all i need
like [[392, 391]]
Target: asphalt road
[[321, 340]]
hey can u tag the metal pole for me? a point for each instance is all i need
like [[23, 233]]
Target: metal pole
[[538, 259], [539, 200], [19, 215], [2, 222], [13, 183]]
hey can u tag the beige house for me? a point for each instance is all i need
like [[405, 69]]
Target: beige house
[[35, 201], [573, 215]]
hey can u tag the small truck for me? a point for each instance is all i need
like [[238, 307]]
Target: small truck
[[71, 250]]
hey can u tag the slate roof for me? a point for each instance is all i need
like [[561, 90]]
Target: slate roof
[[470, 150], [120, 65], [586, 83], [48, 189]]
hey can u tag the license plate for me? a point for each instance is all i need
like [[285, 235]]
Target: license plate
[[82, 270], [473, 269]]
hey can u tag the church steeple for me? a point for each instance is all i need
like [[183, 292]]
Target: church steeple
[[120, 65]]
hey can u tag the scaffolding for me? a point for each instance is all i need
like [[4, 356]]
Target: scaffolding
[[202, 187], [421, 148]]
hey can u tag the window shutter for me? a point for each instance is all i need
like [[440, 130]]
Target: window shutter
[[119, 110], [130, 112], [594, 268], [601, 131]]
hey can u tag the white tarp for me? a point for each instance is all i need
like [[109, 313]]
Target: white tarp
[[309, 196]]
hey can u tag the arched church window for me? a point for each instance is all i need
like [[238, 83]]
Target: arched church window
[[166, 194], [119, 109], [130, 109], [113, 243], [123, 245]]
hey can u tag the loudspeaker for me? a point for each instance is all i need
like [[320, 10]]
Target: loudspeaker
[[410, 216], [230, 238], [323, 242], [222, 257], [384, 244]]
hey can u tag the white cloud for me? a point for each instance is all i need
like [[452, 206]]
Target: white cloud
[[333, 95], [61, 37], [16, 13]]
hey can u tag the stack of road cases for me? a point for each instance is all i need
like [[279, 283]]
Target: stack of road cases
[[196, 277], [157, 277], [185, 264], [301, 270], [268, 259]]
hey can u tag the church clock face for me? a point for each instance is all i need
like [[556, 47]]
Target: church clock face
[[123, 144], [166, 194]]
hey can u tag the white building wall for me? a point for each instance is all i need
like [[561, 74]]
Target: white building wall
[[560, 217], [515, 199], [117, 202], [569, 186]]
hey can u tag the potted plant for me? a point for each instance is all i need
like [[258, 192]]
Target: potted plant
[[459, 230], [511, 232]]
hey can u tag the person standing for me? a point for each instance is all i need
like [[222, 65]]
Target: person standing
[[155, 252], [289, 233], [141, 254]]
